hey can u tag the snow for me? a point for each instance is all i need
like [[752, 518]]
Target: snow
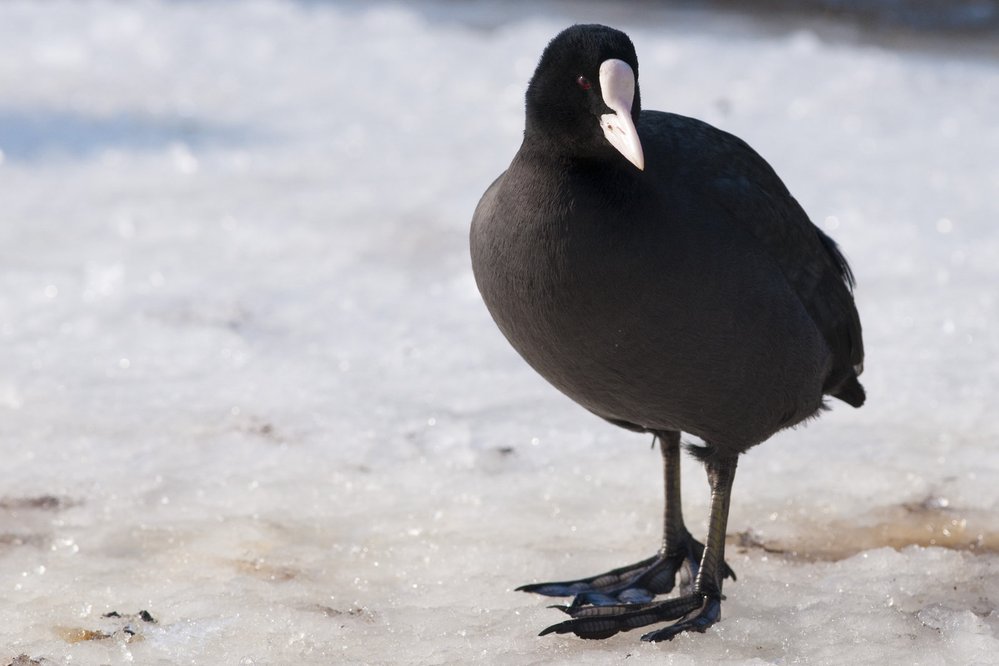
[[249, 387]]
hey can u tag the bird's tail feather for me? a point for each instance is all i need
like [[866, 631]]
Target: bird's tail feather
[[851, 392]]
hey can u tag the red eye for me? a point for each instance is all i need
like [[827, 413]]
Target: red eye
[[584, 83]]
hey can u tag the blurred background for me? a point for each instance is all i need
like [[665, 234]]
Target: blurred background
[[253, 411], [923, 16]]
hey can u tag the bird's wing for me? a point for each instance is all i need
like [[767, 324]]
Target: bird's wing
[[753, 195]]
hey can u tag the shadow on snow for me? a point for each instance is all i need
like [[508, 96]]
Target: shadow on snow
[[28, 135]]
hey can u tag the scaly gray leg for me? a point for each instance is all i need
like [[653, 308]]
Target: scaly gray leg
[[695, 611], [642, 581]]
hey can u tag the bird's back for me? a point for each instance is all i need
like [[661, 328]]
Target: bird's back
[[745, 186]]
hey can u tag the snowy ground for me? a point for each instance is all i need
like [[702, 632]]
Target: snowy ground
[[247, 384]]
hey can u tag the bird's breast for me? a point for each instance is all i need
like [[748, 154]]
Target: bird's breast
[[572, 296], [654, 316]]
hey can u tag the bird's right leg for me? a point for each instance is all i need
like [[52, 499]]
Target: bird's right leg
[[640, 582]]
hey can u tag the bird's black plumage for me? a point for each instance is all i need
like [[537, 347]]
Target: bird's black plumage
[[692, 296]]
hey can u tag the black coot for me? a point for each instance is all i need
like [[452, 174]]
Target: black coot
[[657, 271]]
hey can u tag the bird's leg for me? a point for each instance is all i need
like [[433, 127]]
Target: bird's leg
[[642, 581], [680, 552], [695, 611], [708, 584]]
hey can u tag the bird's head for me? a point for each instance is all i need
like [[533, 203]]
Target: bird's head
[[583, 97]]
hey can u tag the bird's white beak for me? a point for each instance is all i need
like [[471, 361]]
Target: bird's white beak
[[617, 85]]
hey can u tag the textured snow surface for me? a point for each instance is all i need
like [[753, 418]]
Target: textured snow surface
[[247, 384]]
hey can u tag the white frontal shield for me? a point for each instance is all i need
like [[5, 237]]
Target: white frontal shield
[[617, 85]]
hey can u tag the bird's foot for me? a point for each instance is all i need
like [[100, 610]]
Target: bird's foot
[[694, 612], [636, 583], [697, 620], [606, 586]]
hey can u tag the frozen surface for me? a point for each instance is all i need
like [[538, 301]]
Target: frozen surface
[[247, 384]]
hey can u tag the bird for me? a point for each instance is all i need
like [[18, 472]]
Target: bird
[[656, 270]]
